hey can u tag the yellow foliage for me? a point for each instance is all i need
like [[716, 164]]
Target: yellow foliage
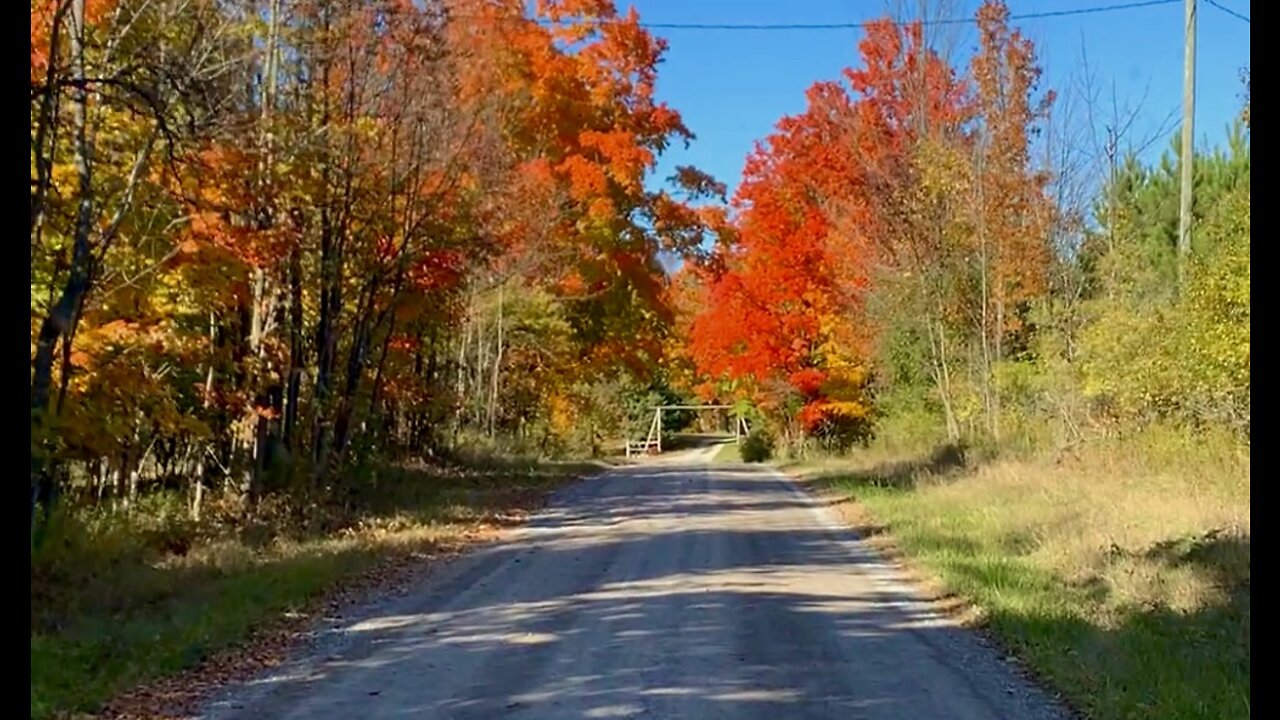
[[561, 414]]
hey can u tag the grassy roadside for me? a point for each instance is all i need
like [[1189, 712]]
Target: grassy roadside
[[1120, 576], [116, 605], [728, 453]]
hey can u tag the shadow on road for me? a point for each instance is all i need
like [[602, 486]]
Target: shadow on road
[[666, 591]]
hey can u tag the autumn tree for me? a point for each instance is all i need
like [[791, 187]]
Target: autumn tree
[[277, 241], [903, 204], [1012, 213], [821, 207], [114, 86], [585, 129], [779, 300]]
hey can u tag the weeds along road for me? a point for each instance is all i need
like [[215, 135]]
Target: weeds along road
[[674, 589]]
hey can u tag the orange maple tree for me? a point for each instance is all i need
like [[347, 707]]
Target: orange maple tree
[[907, 170]]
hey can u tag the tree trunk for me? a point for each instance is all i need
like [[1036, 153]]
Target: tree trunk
[[942, 377], [999, 356], [326, 331], [58, 322], [379, 371], [463, 369], [985, 345], [46, 118], [356, 362], [197, 490], [255, 421], [478, 382], [497, 369], [296, 349]]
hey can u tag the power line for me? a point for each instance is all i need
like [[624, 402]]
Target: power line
[[1228, 10], [857, 25]]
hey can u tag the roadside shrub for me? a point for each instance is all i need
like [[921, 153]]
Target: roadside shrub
[[838, 432], [756, 447]]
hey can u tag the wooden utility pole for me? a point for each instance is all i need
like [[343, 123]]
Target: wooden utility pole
[[1188, 140]]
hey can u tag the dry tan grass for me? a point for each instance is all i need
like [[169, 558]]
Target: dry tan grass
[[1095, 565]]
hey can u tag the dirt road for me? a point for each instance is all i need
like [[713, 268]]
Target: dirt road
[[677, 589]]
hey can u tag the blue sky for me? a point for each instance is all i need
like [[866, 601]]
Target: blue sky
[[732, 86]]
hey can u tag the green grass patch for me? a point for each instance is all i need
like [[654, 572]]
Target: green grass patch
[[728, 453], [1120, 577], [116, 602]]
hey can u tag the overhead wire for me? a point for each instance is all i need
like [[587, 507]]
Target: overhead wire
[[1114, 7], [1228, 10]]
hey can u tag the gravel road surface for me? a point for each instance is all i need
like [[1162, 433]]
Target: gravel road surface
[[674, 589]]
